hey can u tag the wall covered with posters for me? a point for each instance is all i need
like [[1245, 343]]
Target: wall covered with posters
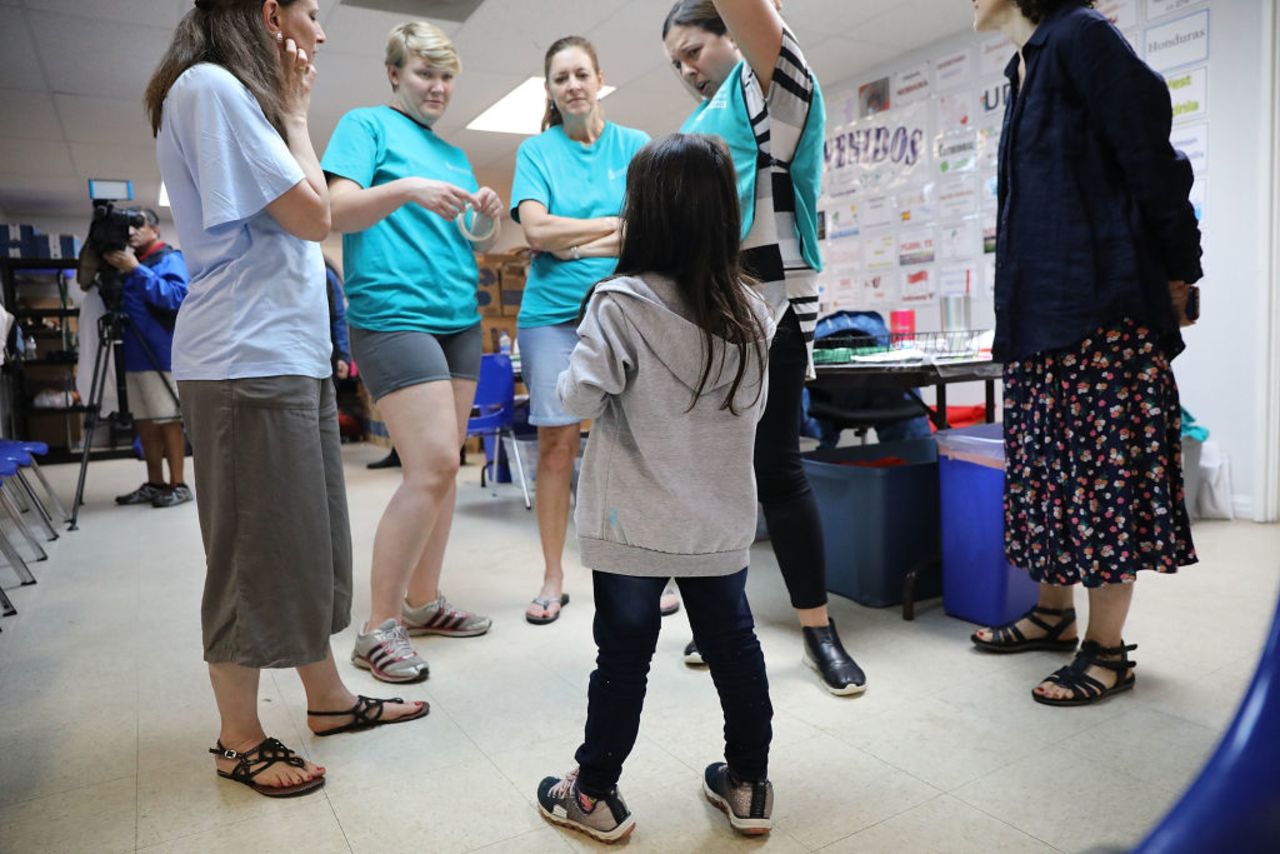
[[908, 210]]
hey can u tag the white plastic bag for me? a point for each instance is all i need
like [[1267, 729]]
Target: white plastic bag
[[1215, 498]]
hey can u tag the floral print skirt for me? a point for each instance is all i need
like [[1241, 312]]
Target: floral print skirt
[[1093, 461]]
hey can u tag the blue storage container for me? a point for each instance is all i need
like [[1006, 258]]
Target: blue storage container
[[877, 523], [978, 584]]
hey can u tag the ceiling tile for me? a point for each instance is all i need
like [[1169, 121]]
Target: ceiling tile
[[112, 59], [364, 31], [36, 157], [156, 13], [838, 59], [33, 195], [630, 43], [110, 121], [134, 162], [19, 67], [28, 115]]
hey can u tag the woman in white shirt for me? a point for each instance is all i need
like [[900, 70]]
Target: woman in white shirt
[[229, 105]]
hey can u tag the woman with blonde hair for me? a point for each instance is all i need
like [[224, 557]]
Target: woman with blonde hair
[[412, 216]]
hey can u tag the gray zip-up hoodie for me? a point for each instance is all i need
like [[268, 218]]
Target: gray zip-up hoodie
[[665, 490]]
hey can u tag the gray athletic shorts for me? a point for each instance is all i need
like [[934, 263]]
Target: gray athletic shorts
[[273, 514], [390, 361]]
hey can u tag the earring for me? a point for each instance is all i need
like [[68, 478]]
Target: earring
[[279, 37]]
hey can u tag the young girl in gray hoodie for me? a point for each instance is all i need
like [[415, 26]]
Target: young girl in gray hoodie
[[671, 365]]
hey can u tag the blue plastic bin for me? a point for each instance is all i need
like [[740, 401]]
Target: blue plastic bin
[[978, 584], [877, 523]]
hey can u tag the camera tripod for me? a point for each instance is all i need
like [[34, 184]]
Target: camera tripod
[[111, 331]]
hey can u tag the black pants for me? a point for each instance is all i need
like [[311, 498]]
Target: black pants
[[626, 631], [790, 509]]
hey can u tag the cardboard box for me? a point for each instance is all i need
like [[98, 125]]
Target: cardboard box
[[489, 291], [514, 274]]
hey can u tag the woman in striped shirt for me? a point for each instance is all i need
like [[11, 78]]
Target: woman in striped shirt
[[757, 93]]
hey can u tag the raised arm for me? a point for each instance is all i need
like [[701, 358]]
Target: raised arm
[[756, 26]]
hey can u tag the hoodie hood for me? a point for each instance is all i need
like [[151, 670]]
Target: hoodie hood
[[656, 310]]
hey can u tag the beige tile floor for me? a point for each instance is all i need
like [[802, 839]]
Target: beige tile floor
[[106, 711]]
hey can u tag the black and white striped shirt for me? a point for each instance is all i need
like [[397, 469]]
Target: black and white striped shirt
[[771, 250]]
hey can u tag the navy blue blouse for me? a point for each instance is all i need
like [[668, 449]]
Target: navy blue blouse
[[1094, 217]]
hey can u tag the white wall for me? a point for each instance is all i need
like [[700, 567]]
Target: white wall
[[1222, 374]]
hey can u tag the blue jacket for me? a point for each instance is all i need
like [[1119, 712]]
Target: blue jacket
[[152, 295], [338, 317], [1094, 217]]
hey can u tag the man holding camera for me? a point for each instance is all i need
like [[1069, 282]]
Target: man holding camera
[[153, 285]]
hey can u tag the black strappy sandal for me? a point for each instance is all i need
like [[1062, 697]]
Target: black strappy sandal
[[1085, 690], [266, 754], [368, 714], [1009, 638]]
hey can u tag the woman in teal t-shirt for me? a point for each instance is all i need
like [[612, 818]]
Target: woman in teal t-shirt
[[567, 194], [396, 191]]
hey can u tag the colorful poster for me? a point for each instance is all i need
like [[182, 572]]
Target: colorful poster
[[1122, 13], [840, 218], [990, 227], [918, 286], [1193, 141], [1160, 8], [954, 111], [882, 151], [911, 85], [880, 252], [994, 55], [878, 211], [956, 151], [958, 281], [916, 204], [1189, 92], [916, 247], [992, 102], [953, 70], [1184, 41], [881, 290], [959, 241], [958, 196], [873, 97]]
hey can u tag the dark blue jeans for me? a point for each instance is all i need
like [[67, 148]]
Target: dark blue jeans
[[626, 629]]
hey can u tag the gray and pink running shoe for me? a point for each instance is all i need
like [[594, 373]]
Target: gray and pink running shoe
[[387, 654], [441, 618]]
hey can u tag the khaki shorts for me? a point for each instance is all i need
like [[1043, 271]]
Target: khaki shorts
[[273, 514], [149, 400]]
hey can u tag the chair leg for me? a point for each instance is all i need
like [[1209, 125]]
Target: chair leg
[[6, 605], [524, 481], [15, 560], [19, 498], [49, 490], [7, 503], [45, 519]]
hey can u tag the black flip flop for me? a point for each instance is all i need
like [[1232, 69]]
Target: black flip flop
[[545, 602], [368, 714]]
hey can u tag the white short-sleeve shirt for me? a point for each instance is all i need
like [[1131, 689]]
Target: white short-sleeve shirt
[[257, 304]]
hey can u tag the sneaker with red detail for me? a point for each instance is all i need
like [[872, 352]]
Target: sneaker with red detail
[[387, 654], [441, 618]]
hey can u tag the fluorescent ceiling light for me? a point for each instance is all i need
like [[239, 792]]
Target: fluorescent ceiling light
[[520, 110], [164, 195]]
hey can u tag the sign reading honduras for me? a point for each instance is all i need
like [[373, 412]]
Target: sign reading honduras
[[882, 150], [1177, 43]]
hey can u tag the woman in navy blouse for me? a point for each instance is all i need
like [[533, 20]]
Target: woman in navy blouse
[[1097, 245]]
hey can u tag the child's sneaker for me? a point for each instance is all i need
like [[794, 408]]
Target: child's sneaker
[[748, 805], [441, 618], [605, 819]]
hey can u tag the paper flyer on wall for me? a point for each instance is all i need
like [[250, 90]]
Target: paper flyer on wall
[[911, 85], [987, 156], [958, 196], [880, 252], [953, 70], [916, 204], [960, 241], [994, 55], [1189, 93], [1182, 41], [954, 111], [918, 286], [1163, 8], [873, 98], [956, 151], [1123, 14], [958, 280], [916, 247], [1193, 141], [880, 290]]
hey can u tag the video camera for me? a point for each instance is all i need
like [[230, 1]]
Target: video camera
[[108, 232]]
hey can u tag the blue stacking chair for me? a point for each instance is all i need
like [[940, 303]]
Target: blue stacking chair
[[20, 488], [9, 469], [495, 405], [33, 450]]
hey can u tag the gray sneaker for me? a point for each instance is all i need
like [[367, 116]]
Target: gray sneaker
[[387, 654], [441, 618], [179, 493], [605, 819], [748, 805], [144, 494]]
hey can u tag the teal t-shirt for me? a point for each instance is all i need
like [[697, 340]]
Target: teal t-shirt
[[413, 270], [570, 180]]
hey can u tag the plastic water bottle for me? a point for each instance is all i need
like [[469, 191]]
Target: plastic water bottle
[[504, 343], [29, 348]]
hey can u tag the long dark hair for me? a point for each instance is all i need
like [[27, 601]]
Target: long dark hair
[[680, 219], [551, 116], [227, 33]]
